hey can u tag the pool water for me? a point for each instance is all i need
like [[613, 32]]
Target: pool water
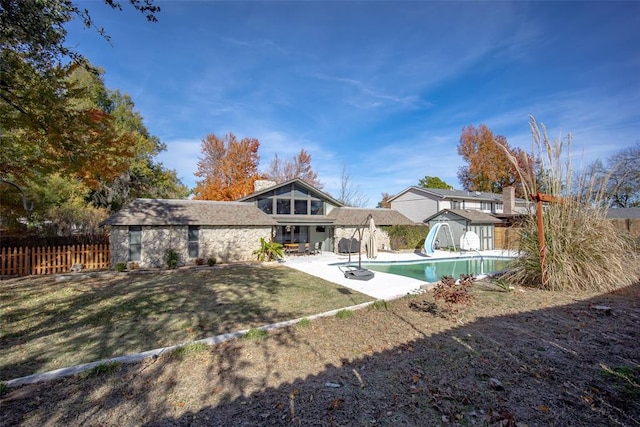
[[432, 271]]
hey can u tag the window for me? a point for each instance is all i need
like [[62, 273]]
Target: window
[[283, 206], [135, 243], [194, 241], [486, 206], [266, 205], [300, 207], [456, 204], [316, 207]]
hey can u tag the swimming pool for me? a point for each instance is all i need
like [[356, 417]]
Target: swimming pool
[[432, 270]]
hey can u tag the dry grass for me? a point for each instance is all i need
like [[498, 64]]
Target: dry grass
[[583, 249], [528, 357], [47, 325]]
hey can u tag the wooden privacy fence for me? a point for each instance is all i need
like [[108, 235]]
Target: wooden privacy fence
[[53, 259], [507, 238]]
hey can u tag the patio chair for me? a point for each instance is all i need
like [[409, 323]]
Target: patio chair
[[302, 248], [317, 248]]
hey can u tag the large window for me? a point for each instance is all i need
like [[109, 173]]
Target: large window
[[300, 207], [284, 206], [290, 200], [266, 205], [135, 243], [194, 241]]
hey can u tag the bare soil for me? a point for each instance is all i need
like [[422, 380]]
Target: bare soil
[[520, 358]]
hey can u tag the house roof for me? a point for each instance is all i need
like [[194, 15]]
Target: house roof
[[455, 194], [320, 194], [356, 216], [471, 215], [189, 212], [623, 213]]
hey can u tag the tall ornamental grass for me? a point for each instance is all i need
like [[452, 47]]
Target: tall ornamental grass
[[583, 250]]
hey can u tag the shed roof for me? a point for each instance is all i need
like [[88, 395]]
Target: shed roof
[[189, 212], [471, 215]]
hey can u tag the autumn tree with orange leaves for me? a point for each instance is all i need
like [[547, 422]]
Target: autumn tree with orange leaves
[[488, 168], [298, 167], [227, 168]]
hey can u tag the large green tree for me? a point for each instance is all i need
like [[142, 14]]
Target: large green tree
[[143, 176], [434, 182], [42, 127], [64, 201]]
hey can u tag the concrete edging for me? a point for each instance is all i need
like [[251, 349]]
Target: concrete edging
[[154, 354]]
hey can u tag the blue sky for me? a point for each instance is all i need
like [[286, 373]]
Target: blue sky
[[381, 88]]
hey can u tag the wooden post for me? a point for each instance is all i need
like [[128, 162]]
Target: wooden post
[[542, 244]]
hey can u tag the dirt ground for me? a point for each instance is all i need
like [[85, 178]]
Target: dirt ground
[[520, 358]]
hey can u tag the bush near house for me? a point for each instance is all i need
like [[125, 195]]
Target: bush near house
[[406, 236]]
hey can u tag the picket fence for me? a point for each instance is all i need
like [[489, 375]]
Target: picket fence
[[53, 259]]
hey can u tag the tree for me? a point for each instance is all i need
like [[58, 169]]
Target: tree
[[619, 176], [434, 182], [488, 166], [143, 177], [43, 128], [349, 193], [384, 203], [298, 167], [228, 167], [624, 182]]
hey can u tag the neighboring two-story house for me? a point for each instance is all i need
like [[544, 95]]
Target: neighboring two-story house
[[462, 210]]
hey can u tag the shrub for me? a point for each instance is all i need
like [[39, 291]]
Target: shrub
[[211, 261], [121, 266], [583, 250], [171, 258], [406, 236], [4, 388], [455, 295], [199, 261], [269, 250]]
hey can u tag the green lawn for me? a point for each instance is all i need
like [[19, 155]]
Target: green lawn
[[46, 325]]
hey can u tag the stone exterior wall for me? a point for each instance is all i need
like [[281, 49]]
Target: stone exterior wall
[[382, 238], [231, 244], [225, 244]]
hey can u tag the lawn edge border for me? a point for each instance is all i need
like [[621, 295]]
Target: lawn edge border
[[154, 354]]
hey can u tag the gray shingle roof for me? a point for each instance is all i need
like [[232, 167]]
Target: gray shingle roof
[[356, 216], [623, 213], [472, 215], [457, 194], [189, 212]]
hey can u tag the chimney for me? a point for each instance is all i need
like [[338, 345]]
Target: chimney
[[262, 184], [509, 200]]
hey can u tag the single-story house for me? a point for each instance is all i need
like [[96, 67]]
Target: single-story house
[[143, 230], [290, 213], [461, 221]]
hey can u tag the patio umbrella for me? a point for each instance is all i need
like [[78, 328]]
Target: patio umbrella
[[372, 243]]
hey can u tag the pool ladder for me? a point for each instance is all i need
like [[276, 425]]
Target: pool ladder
[[481, 260]]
